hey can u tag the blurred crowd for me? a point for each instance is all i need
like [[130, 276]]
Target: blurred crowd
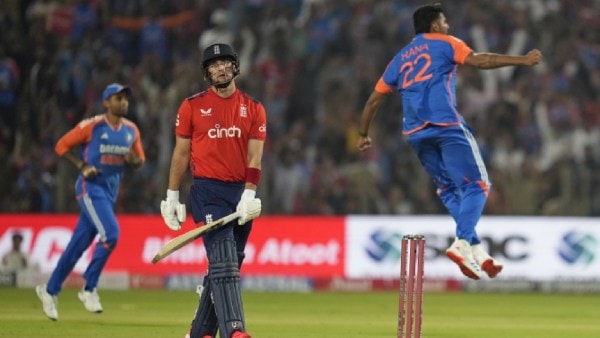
[[313, 64]]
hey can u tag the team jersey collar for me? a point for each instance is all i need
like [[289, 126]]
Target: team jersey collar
[[112, 126], [212, 91]]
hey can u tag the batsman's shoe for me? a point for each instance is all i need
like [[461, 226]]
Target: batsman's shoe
[[49, 302], [460, 253], [238, 334], [90, 300], [485, 261]]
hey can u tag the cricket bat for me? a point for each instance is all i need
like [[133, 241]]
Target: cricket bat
[[183, 239]]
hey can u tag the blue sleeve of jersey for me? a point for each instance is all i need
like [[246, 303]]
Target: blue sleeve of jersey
[[447, 52], [390, 76]]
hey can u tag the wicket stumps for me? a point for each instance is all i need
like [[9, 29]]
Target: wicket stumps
[[411, 286]]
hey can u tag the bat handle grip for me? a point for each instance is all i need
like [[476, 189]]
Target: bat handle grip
[[231, 217]]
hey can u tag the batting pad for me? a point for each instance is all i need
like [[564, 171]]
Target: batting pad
[[225, 285], [205, 319]]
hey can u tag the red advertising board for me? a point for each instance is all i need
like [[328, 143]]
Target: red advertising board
[[290, 246]]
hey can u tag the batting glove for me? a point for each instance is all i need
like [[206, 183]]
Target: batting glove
[[249, 206], [172, 211]]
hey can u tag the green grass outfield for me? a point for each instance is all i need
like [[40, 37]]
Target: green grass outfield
[[130, 314]]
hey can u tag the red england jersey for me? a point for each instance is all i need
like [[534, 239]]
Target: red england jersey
[[219, 129]]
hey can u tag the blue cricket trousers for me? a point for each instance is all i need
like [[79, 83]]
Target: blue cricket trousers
[[97, 217], [451, 156]]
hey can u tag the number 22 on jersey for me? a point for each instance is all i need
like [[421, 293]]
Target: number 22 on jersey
[[421, 74]]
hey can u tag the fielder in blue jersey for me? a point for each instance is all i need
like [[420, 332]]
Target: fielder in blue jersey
[[424, 72], [108, 142]]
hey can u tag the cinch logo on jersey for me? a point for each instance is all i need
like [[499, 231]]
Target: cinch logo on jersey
[[218, 132], [384, 246], [113, 149], [578, 248]]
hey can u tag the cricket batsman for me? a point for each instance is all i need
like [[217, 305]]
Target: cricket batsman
[[220, 135]]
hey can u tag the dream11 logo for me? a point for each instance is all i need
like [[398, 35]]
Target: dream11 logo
[[578, 248]]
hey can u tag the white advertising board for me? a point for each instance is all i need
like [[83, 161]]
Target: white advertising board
[[532, 248]]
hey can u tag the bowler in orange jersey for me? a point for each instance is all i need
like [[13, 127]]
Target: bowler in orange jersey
[[424, 73]]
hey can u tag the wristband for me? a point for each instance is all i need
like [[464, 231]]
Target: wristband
[[82, 165], [249, 194], [172, 195], [253, 175], [361, 134]]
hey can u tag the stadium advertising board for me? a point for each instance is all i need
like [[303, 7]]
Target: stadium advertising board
[[531, 248], [353, 247], [291, 246]]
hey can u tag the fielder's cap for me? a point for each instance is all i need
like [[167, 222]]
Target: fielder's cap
[[114, 88], [218, 51]]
